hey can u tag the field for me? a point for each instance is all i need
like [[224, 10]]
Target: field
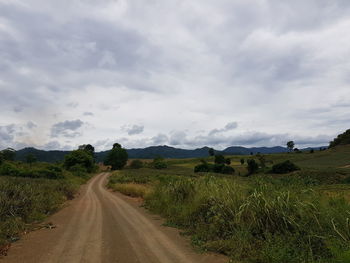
[[302, 216]]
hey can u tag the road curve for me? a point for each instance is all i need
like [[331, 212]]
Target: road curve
[[101, 226]]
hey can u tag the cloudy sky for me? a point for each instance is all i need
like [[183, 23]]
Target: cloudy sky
[[175, 72]]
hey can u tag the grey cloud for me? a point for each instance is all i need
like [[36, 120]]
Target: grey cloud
[[228, 127], [87, 113], [30, 125], [160, 139], [66, 128], [135, 129]]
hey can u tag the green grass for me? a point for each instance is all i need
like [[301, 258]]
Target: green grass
[[303, 216]]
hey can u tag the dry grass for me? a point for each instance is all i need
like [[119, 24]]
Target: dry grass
[[133, 190]]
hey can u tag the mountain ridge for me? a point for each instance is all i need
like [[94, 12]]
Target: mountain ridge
[[154, 151]]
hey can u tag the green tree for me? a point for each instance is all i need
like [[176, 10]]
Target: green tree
[[31, 158], [252, 166], [228, 161], [79, 158], [242, 161], [88, 148], [211, 152], [117, 157], [9, 154], [219, 159], [290, 145]]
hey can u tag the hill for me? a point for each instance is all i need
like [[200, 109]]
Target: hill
[[151, 152], [342, 139]]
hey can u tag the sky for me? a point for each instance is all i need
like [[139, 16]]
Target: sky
[[173, 72]]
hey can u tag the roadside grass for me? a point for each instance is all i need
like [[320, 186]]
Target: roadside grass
[[26, 200], [303, 216], [133, 190]]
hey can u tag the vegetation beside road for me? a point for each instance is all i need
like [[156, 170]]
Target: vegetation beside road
[[299, 216], [30, 191]]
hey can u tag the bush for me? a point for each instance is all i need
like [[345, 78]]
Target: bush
[[136, 164], [79, 157], [284, 167], [158, 163], [219, 159], [252, 166], [227, 170], [202, 168]]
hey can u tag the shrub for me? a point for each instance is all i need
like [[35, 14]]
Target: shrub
[[219, 159], [79, 157], [242, 161], [136, 164], [202, 168], [284, 167], [159, 163], [252, 166], [227, 170]]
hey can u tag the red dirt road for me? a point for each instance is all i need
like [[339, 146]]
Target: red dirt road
[[101, 226]]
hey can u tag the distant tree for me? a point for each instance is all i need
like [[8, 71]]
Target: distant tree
[[312, 151], [116, 145], [31, 158], [228, 161], [262, 160], [1, 158], [290, 145], [211, 152], [117, 157], [79, 158], [296, 150], [9, 154], [342, 139], [242, 161], [251, 153], [88, 148], [252, 166], [219, 159]]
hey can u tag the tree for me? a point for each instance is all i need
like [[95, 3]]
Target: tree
[[228, 161], [219, 159], [211, 152], [262, 160], [252, 166], [31, 158], [9, 154], [88, 148], [79, 158], [159, 163], [342, 139], [117, 157], [312, 151], [242, 161], [290, 145]]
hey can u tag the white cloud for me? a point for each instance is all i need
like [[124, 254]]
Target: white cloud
[[277, 68]]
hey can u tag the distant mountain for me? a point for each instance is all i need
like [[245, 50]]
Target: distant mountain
[[150, 152], [41, 155], [239, 150]]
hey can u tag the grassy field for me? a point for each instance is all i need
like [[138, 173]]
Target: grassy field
[[303, 216], [31, 192]]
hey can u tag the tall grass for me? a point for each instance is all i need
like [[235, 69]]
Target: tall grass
[[266, 222], [24, 201]]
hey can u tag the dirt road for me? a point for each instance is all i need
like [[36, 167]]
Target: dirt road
[[101, 226]]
